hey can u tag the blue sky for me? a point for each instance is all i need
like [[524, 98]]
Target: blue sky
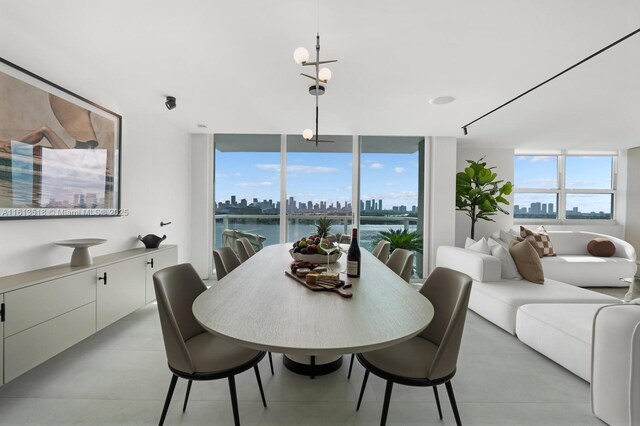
[[317, 177]]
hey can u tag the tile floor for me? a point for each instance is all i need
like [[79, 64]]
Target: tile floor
[[119, 377]]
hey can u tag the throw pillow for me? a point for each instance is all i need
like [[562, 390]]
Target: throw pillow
[[540, 237], [508, 266], [601, 247], [535, 246], [481, 246], [527, 261], [507, 236]]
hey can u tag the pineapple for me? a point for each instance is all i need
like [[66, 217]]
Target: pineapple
[[323, 227]]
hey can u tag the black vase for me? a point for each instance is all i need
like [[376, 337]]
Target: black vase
[[151, 240]]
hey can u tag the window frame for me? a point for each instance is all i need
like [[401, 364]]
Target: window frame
[[562, 191]]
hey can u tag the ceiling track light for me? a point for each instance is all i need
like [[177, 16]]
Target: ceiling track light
[[322, 75], [593, 55]]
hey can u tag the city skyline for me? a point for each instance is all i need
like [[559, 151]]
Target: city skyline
[[539, 210], [233, 205], [317, 177]]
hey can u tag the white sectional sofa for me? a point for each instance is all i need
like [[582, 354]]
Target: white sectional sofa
[[574, 265], [498, 299]]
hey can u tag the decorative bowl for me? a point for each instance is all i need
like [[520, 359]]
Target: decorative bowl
[[316, 258], [151, 240]]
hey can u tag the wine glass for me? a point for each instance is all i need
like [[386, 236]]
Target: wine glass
[[328, 248]]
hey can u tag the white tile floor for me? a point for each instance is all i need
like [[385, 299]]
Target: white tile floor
[[119, 377]]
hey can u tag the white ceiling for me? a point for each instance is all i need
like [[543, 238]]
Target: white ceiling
[[230, 64]]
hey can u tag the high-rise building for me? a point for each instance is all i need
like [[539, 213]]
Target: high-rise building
[[535, 208], [379, 204], [544, 208], [338, 205], [309, 205], [550, 208], [367, 205], [233, 200]]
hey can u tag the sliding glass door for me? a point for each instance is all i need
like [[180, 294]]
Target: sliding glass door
[[391, 193], [247, 189], [319, 184]]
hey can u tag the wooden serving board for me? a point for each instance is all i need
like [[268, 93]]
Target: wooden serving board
[[315, 287]]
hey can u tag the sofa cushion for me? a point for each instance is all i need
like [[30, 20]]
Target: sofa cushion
[[499, 301], [601, 247], [589, 271], [561, 332], [527, 261], [541, 238]]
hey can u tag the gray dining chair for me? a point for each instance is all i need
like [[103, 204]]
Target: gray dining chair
[[245, 249], [401, 262], [430, 358], [381, 251], [226, 261], [192, 352]]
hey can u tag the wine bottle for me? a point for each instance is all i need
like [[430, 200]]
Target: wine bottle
[[353, 256]]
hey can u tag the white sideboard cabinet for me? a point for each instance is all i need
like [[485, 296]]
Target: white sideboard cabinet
[[49, 310], [155, 262]]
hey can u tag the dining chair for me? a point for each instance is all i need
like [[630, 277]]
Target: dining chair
[[401, 262], [381, 251], [430, 358], [245, 249], [192, 352], [226, 261]]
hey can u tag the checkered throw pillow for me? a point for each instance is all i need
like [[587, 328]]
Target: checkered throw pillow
[[541, 238]]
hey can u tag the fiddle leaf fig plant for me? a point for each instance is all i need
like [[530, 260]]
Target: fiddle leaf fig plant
[[479, 193]]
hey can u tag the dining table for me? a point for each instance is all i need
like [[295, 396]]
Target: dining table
[[257, 305]]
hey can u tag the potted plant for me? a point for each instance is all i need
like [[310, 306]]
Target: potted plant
[[479, 194], [404, 239]]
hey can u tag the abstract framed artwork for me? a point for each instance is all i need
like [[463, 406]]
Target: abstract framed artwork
[[59, 152]]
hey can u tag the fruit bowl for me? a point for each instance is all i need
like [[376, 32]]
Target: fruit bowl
[[316, 258]]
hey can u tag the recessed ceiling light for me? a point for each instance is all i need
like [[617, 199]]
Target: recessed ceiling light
[[441, 100], [202, 126]]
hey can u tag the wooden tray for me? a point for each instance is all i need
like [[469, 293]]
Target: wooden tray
[[314, 287]]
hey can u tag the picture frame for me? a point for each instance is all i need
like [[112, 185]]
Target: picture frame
[[60, 153]]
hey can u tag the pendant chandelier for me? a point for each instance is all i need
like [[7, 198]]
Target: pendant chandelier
[[321, 76]]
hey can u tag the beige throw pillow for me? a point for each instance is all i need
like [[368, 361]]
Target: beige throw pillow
[[541, 238], [527, 261]]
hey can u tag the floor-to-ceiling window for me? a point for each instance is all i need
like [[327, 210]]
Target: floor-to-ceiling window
[[252, 195], [391, 193], [247, 187], [319, 184]]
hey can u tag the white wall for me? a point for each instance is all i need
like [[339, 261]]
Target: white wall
[[632, 229], [155, 187], [502, 160], [441, 157]]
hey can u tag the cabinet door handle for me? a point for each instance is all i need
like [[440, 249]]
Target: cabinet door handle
[[150, 263], [104, 278]]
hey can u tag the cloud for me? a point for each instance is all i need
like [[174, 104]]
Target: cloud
[[376, 166], [537, 158], [399, 169], [237, 174], [268, 166], [584, 183], [253, 184], [312, 169]]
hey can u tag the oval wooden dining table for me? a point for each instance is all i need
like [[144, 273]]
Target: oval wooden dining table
[[258, 306]]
